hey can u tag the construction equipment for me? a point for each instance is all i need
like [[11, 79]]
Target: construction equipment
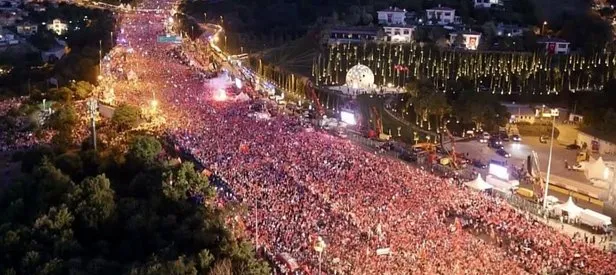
[[582, 156], [315, 99], [451, 154], [377, 123], [536, 173], [428, 147]]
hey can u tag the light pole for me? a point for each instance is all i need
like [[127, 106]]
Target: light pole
[[100, 57], [92, 109], [319, 247], [543, 27], [257, 225], [204, 16], [547, 180]]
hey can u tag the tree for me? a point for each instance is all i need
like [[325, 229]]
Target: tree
[[458, 42], [93, 201], [126, 117], [142, 150], [82, 89], [64, 119], [184, 181]]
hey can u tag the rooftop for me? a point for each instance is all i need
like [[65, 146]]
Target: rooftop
[[552, 40], [361, 29], [393, 9], [400, 26], [441, 8]]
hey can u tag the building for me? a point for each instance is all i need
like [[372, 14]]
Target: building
[[596, 142], [7, 39], [354, 35], [58, 27], [55, 53], [509, 30], [487, 3], [470, 39], [441, 15], [399, 33], [27, 28], [520, 113], [392, 16], [555, 45], [9, 18]]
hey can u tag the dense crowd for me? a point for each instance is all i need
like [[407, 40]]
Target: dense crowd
[[299, 184], [14, 131]]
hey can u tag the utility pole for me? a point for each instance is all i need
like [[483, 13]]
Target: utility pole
[[547, 181], [92, 109]]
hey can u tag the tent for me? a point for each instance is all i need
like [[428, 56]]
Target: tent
[[242, 97], [478, 184], [597, 170], [569, 208], [505, 186]]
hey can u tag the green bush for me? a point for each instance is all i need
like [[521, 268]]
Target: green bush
[[527, 129]]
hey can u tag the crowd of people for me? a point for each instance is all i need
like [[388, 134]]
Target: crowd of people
[[376, 215], [15, 134]]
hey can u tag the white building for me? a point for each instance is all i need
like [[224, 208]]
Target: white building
[[441, 15], [27, 28], [509, 30], [487, 3], [7, 39], [57, 26], [399, 33], [555, 45], [595, 142], [392, 16], [470, 39]]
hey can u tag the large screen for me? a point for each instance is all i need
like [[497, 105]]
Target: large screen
[[498, 171], [348, 118]]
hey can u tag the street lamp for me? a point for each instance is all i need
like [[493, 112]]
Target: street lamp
[[319, 247], [547, 180], [205, 16], [92, 109], [543, 27]]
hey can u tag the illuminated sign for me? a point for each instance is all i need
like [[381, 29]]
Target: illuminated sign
[[348, 118], [498, 171]]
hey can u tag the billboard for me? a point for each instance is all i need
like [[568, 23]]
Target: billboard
[[498, 171], [169, 39], [348, 118]]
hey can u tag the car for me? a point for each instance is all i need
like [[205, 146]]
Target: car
[[477, 163], [516, 138], [503, 153], [544, 139], [503, 136], [485, 135], [481, 139], [577, 167], [496, 144], [573, 147]]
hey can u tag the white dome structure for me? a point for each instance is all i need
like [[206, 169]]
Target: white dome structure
[[360, 77]]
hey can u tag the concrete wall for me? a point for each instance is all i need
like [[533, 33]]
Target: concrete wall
[[605, 147]]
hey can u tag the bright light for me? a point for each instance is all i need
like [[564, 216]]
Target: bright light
[[348, 118], [220, 95], [154, 103], [238, 83], [498, 171]]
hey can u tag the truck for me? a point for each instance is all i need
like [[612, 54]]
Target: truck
[[597, 221]]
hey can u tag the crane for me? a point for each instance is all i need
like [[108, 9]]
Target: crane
[[315, 99], [377, 123]]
